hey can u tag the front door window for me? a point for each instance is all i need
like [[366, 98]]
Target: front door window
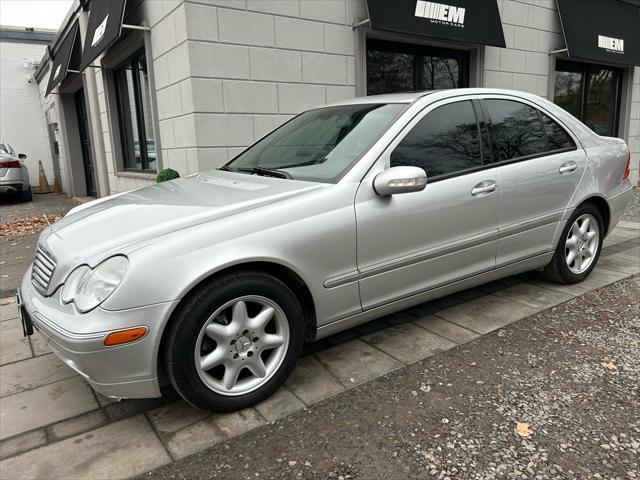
[[591, 93], [399, 67]]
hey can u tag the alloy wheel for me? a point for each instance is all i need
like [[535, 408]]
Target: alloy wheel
[[242, 345], [582, 244]]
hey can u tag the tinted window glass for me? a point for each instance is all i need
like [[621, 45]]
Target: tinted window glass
[[389, 72], [444, 141], [441, 72], [517, 129], [400, 67], [557, 137]]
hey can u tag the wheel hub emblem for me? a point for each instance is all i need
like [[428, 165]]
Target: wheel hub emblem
[[243, 344]]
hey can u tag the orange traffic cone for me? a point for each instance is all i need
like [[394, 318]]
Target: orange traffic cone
[[56, 185], [44, 184]]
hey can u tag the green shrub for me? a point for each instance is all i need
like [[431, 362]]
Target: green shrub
[[167, 174]]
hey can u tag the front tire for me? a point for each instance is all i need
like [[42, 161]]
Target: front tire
[[234, 341], [579, 247]]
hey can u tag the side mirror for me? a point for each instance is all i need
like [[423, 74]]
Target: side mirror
[[22, 156], [400, 180]]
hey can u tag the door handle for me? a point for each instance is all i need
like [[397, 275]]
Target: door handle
[[568, 167], [488, 186]]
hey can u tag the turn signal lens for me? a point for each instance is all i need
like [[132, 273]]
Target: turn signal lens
[[627, 169], [125, 336]]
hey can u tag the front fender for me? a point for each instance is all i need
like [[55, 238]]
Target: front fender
[[315, 238]]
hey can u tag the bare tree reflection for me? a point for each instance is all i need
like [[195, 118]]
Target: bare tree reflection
[[517, 129], [444, 141]]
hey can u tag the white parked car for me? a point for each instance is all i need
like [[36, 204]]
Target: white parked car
[[14, 175]]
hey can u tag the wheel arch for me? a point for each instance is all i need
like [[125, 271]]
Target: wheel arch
[[603, 207], [283, 273]]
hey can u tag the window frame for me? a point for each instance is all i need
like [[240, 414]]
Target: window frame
[[586, 69], [547, 152], [418, 51], [484, 130], [117, 71]]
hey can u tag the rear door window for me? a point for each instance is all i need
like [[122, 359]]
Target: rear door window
[[517, 129]]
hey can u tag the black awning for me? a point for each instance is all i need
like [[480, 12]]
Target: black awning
[[62, 57], [605, 31], [469, 21], [105, 23]]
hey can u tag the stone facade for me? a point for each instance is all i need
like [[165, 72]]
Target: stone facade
[[229, 71]]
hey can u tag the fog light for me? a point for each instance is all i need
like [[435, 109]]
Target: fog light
[[125, 336]]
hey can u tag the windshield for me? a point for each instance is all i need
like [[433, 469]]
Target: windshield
[[319, 145], [5, 148]]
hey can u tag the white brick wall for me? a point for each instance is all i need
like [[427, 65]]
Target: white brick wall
[[22, 122]]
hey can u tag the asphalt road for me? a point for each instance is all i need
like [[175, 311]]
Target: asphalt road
[[570, 373]]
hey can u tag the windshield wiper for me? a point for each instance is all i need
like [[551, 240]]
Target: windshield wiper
[[265, 172]]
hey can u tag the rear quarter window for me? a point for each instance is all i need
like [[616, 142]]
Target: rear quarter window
[[557, 137]]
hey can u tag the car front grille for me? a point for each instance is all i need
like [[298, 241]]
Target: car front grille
[[42, 271]]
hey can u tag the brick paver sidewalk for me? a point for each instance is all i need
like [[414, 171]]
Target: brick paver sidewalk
[[52, 425]]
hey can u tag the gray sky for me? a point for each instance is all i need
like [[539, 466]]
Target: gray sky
[[33, 13]]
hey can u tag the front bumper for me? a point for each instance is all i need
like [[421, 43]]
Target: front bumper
[[123, 371]]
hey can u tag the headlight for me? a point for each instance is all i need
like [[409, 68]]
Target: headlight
[[88, 288]]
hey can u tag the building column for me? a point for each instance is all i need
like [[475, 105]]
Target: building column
[[95, 123]]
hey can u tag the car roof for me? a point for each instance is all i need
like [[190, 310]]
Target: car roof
[[410, 97], [404, 97]]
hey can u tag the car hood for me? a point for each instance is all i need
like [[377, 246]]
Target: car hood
[[123, 222]]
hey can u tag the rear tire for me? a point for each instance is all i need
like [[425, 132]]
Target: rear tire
[[234, 341], [25, 195], [579, 247]]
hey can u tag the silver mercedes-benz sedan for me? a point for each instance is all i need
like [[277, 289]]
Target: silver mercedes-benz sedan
[[346, 213]]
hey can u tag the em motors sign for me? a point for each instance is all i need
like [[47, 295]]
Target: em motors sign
[[441, 13], [475, 22], [601, 31], [610, 44]]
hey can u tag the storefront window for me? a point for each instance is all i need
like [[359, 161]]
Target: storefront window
[[134, 112], [399, 67], [589, 92]]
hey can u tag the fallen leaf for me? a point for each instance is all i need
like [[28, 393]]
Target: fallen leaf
[[8, 301], [609, 365], [25, 226], [523, 429]]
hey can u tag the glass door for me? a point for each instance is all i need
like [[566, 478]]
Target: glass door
[[85, 143], [589, 92]]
